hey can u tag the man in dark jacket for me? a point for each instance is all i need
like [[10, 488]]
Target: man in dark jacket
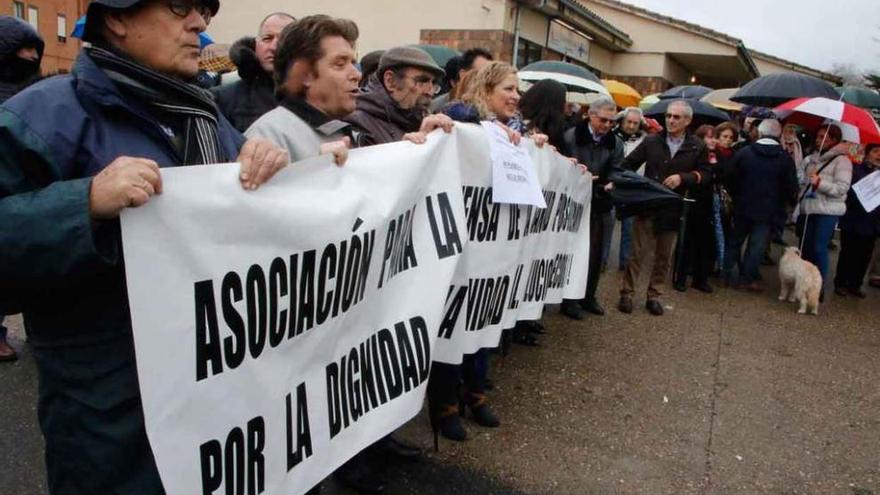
[[457, 68], [762, 180], [246, 100], [395, 102], [76, 150], [678, 160], [593, 144], [21, 50]]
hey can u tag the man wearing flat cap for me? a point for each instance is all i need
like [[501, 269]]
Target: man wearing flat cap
[[396, 100], [75, 151]]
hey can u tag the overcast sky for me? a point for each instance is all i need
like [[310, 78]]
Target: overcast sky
[[816, 33]]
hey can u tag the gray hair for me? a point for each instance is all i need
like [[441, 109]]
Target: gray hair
[[770, 128], [688, 110], [628, 110], [602, 103]]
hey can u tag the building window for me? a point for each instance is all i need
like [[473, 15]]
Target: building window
[[62, 28], [528, 52], [34, 17], [18, 10]]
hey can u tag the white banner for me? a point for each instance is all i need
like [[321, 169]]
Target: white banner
[[281, 331]]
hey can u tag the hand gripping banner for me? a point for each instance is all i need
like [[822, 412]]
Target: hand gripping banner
[[280, 331]]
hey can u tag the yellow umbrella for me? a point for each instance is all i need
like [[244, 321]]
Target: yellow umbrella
[[720, 98], [624, 95]]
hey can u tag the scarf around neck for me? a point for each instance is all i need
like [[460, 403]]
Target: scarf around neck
[[186, 107]]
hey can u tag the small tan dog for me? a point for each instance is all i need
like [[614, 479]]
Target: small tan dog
[[800, 280]]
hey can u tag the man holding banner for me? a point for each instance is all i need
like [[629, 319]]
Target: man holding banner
[[76, 151]]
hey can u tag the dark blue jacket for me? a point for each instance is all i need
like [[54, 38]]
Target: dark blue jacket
[[65, 272], [856, 219], [762, 180]]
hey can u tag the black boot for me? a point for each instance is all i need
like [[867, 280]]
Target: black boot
[[483, 416], [591, 305], [447, 422], [571, 309]]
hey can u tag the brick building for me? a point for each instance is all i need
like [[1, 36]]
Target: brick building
[[54, 19], [614, 39]]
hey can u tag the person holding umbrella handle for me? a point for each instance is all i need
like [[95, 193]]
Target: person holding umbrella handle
[[828, 174]]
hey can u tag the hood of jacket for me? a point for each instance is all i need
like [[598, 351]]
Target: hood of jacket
[[14, 35], [244, 55], [768, 148], [376, 102], [830, 155]]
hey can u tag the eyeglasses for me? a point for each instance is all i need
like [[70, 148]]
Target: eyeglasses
[[425, 81], [182, 8], [602, 120], [672, 116]]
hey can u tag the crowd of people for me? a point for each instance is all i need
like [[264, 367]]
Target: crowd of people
[[77, 149]]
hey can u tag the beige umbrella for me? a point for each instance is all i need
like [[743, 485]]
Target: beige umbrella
[[720, 98]]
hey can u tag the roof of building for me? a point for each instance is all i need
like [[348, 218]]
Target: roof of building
[[710, 33], [594, 17], [796, 66]]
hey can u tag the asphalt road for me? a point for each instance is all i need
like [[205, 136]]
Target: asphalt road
[[726, 393]]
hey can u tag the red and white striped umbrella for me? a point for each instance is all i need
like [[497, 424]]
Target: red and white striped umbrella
[[857, 125]]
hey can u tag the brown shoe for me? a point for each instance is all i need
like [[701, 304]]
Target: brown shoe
[[7, 353]]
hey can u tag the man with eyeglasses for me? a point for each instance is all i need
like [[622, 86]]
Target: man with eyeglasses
[[678, 160], [396, 100], [593, 144], [76, 151]]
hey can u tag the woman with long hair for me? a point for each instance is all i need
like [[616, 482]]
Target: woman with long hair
[[543, 110], [488, 94]]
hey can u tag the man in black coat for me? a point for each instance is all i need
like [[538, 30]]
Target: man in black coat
[[246, 100], [593, 144], [678, 160], [21, 50], [762, 180]]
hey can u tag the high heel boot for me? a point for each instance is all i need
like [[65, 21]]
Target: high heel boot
[[445, 421], [480, 410]]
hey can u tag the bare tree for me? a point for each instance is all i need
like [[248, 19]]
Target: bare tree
[[851, 75]]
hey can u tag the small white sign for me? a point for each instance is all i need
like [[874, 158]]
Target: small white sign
[[513, 171], [868, 191]]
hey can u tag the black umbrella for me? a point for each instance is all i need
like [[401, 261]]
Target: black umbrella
[[688, 92], [775, 89], [636, 195], [703, 112]]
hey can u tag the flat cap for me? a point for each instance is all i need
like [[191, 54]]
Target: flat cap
[[408, 56]]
